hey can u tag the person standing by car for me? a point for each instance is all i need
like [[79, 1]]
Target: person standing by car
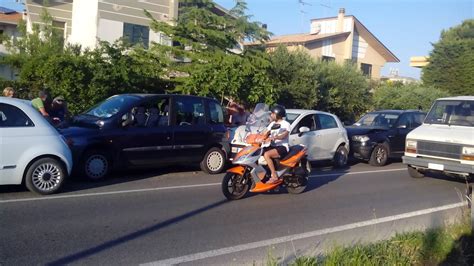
[[58, 110], [279, 131], [40, 103], [8, 92]]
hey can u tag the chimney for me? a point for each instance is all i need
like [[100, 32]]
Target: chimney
[[340, 20]]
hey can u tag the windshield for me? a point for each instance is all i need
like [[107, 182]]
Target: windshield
[[260, 117], [456, 113], [290, 117], [111, 106], [378, 120]]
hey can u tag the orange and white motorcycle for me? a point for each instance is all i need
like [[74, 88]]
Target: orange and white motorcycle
[[251, 171]]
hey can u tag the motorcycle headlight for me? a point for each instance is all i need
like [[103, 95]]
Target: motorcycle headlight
[[360, 138], [467, 153], [410, 146]]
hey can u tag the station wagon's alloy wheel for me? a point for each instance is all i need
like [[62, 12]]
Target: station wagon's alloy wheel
[[379, 155], [45, 176], [96, 165], [214, 161]]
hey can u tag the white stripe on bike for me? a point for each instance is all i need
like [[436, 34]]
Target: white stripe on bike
[[169, 188], [284, 239]]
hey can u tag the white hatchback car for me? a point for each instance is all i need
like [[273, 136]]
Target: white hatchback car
[[324, 136], [31, 150]]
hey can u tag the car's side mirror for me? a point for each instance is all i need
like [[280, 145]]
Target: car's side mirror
[[127, 119], [303, 130]]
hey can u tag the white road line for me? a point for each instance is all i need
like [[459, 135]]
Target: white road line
[[362, 172], [169, 188], [279, 240], [108, 193]]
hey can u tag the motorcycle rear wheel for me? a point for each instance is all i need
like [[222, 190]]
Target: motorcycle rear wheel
[[297, 186], [235, 186]]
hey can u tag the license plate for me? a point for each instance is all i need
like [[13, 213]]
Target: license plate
[[436, 166], [235, 150]]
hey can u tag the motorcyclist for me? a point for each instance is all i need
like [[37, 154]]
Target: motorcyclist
[[279, 138]]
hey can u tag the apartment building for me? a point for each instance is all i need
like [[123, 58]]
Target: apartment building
[[86, 22], [9, 20], [340, 39]]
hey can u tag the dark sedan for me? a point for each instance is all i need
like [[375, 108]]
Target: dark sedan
[[381, 134]]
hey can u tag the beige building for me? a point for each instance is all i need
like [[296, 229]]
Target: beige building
[[86, 22], [9, 20], [419, 61], [342, 38]]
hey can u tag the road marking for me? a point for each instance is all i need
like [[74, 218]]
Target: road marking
[[108, 193], [169, 188], [284, 239], [362, 172]]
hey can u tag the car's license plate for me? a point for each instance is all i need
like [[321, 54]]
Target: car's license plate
[[235, 149], [436, 166]]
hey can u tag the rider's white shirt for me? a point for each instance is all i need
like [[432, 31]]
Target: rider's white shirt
[[284, 126]]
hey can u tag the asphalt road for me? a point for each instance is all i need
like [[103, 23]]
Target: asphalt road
[[179, 215]]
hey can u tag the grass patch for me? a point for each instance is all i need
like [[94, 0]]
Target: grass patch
[[451, 245]]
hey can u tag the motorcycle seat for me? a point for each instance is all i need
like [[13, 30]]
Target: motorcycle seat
[[292, 152]]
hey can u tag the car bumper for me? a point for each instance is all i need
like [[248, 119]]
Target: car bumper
[[361, 150], [438, 165]]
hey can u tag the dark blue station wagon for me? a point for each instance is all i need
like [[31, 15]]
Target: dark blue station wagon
[[137, 130]]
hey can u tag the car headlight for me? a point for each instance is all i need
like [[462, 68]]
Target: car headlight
[[361, 138], [467, 153], [410, 146]]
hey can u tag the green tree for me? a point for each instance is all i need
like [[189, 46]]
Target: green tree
[[343, 90], [294, 77], [208, 62], [451, 62], [409, 96]]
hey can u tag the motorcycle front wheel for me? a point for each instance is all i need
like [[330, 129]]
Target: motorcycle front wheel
[[235, 186]]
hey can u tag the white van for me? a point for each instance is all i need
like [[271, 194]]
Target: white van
[[445, 141]]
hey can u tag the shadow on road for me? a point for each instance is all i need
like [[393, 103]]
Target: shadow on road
[[76, 183], [129, 237]]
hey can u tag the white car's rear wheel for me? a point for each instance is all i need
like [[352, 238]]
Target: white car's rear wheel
[[45, 176]]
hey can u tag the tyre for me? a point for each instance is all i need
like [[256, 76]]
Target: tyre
[[379, 156], [413, 172], [298, 185], [96, 164], [340, 157], [45, 176], [235, 186], [214, 161]]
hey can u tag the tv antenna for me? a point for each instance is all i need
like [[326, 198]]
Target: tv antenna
[[302, 5]]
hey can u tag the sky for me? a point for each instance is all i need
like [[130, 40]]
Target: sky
[[406, 27]]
